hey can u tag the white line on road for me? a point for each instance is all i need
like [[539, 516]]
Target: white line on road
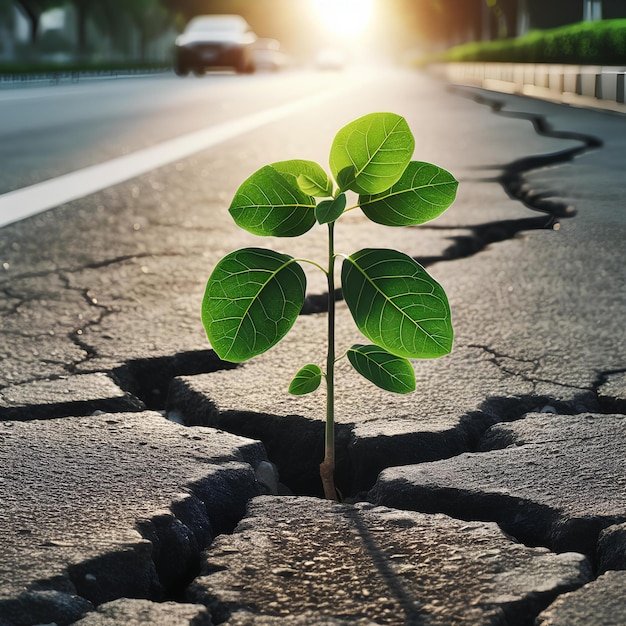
[[22, 203]]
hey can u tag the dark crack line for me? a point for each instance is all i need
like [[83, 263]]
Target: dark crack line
[[612, 404], [76, 336], [496, 359], [498, 356], [149, 379], [34, 379], [63, 274], [513, 180], [604, 375], [477, 239], [19, 299], [513, 176], [92, 266]]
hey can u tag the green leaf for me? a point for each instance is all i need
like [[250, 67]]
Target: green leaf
[[423, 193], [330, 210], [270, 203], [370, 154], [385, 370], [310, 177], [396, 304], [346, 178], [252, 299], [307, 379]]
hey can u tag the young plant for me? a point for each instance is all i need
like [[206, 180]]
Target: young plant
[[254, 296]]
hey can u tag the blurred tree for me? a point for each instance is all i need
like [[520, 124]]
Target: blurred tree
[[6, 11], [457, 21], [7, 24], [33, 9], [82, 12], [116, 24], [117, 19], [150, 18], [431, 23]]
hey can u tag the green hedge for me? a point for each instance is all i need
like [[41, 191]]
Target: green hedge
[[584, 43]]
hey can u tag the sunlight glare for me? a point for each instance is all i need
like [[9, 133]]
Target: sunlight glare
[[346, 18]]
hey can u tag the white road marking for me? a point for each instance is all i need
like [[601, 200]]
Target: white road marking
[[21, 203]]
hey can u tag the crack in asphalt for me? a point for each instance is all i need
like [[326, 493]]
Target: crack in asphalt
[[19, 300], [76, 335], [497, 357], [62, 273], [603, 376], [91, 266], [513, 180], [479, 237], [513, 174]]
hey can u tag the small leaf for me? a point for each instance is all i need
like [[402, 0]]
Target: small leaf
[[330, 210], [370, 154], [307, 379], [385, 370], [396, 304], [310, 177], [252, 299], [346, 178], [423, 193], [270, 203], [310, 186]]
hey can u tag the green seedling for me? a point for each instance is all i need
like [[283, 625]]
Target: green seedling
[[254, 296]]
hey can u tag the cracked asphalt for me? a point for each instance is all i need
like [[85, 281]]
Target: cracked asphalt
[[100, 297]]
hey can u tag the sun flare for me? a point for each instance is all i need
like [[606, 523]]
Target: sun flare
[[345, 18]]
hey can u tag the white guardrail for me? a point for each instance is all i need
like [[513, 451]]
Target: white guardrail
[[583, 85]]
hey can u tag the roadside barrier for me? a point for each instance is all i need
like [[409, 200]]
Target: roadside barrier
[[74, 76], [583, 85]]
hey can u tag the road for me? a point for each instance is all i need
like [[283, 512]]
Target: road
[[100, 295], [46, 131], [52, 131]]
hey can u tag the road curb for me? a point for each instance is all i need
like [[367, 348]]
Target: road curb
[[587, 86]]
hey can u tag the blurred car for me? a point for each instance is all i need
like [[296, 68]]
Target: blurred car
[[268, 55], [215, 41]]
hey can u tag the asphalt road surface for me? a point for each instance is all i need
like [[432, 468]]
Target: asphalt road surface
[[51, 131], [100, 309], [148, 166]]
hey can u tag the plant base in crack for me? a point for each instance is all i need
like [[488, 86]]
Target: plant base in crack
[[254, 295]]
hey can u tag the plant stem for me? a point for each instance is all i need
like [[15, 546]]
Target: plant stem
[[327, 468]]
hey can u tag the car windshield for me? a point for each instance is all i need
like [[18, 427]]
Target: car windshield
[[217, 24]]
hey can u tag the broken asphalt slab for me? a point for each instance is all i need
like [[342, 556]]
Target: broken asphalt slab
[[612, 393], [132, 612], [612, 548], [550, 480], [293, 559], [65, 396], [599, 602], [458, 397], [100, 507]]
